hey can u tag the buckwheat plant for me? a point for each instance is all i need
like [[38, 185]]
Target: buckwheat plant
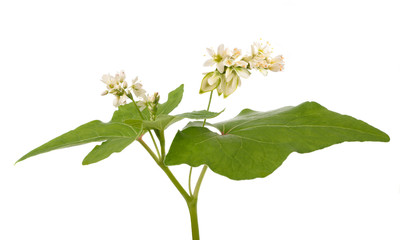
[[251, 145]]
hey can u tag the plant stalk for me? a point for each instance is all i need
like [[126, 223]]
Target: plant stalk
[[193, 218]]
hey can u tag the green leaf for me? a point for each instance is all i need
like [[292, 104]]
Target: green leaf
[[105, 149], [131, 113], [163, 121], [174, 98], [95, 131], [254, 144]]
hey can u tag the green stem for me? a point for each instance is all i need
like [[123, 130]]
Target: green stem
[[203, 171], [162, 144], [198, 184], [134, 103], [166, 170], [141, 116], [208, 107], [190, 181], [192, 205], [148, 149], [155, 144]]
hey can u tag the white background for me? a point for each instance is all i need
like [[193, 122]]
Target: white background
[[342, 54]]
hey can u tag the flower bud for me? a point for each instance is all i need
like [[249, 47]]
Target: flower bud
[[104, 93]]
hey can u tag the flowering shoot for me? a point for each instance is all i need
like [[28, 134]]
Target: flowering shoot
[[231, 67]]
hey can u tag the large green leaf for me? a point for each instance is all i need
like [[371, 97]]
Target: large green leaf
[[254, 144], [95, 131], [163, 121], [131, 113]]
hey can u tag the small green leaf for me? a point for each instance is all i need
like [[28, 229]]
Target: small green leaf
[[174, 98], [129, 111], [163, 121], [95, 131], [254, 144], [105, 149]]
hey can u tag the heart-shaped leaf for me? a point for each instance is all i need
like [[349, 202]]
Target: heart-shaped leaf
[[254, 144], [95, 131]]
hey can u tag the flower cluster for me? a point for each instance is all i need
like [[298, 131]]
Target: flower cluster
[[230, 67], [117, 86]]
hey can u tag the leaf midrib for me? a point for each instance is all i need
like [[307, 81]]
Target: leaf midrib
[[232, 131]]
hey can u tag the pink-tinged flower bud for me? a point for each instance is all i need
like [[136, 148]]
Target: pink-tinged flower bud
[[104, 93]]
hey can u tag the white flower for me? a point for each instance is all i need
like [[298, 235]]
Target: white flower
[[277, 59], [276, 67], [142, 104], [236, 53], [231, 67], [137, 88], [232, 80], [260, 50], [241, 63], [116, 85], [120, 77], [109, 81], [217, 58], [277, 64], [149, 101], [120, 100]]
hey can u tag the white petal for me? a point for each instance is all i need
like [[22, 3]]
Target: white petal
[[221, 49], [277, 59], [116, 101], [226, 53], [264, 71], [231, 86], [243, 72], [211, 52], [241, 63], [209, 62], [221, 67], [229, 74], [276, 67], [105, 78], [253, 50], [139, 92], [213, 79], [221, 85], [135, 80]]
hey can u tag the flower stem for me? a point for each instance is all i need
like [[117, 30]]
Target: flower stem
[[203, 171], [208, 107], [155, 144], [190, 181], [141, 116]]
